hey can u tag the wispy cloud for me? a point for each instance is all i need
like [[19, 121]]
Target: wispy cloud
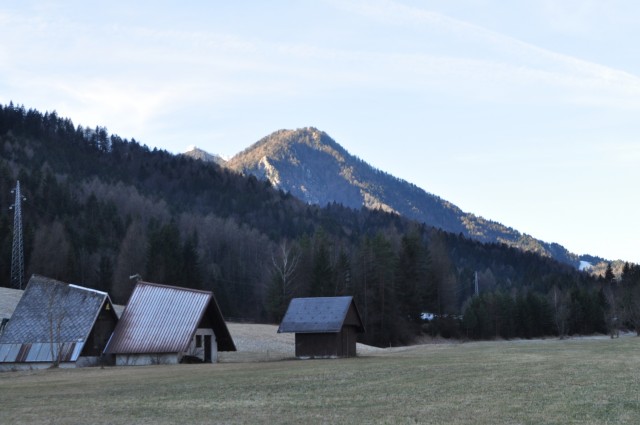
[[514, 61], [154, 68]]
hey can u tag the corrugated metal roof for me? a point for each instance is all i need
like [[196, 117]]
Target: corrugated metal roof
[[46, 306], [318, 315], [163, 319]]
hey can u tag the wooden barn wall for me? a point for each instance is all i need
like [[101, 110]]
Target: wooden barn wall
[[317, 345], [322, 345], [352, 318]]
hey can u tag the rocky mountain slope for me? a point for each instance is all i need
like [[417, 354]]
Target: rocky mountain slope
[[312, 166]]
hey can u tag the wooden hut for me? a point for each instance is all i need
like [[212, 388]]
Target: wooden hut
[[325, 327], [167, 325], [57, 323]]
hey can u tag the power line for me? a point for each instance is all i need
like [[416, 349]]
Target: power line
[[17, 255]]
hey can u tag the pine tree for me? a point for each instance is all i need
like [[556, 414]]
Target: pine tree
[[342, 275], [609, 277], [105, 274], [322, 272], [191, 276], [380, 301], [164, 256], [412, 285]]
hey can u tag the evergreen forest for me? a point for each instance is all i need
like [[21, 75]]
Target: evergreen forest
[[100, 209]]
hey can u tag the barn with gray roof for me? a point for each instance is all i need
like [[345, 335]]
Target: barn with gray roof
[[325, 327], [57, 323], [167, 325]]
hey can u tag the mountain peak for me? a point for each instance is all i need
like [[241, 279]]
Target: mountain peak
[[312, 166], [281, 142], [197, 153]]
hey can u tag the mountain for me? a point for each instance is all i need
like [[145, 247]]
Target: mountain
[[312, 166], [197, 153]]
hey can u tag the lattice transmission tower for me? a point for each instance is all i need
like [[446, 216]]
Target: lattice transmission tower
[[17, 255]]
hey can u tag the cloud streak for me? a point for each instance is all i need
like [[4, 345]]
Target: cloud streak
[[525, 63], [224, 66]]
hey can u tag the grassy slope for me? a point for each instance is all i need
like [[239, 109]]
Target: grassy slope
[[529, 382]]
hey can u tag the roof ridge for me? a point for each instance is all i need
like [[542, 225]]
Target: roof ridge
[[180, 288], [320, 298], [72, 285]]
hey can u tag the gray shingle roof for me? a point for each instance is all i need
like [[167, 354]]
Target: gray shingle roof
[[319, 315], [50, 312], [163, 319]]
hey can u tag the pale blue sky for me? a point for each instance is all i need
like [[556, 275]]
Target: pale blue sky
[[525, 112]]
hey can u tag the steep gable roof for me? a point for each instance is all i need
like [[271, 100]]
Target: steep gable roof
[[320, 315], [163, 319], [50, 312]]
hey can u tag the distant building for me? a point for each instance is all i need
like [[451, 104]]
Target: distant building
[[167, 325], [56, 322], [325, 327]]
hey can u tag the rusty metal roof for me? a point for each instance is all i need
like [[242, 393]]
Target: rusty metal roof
[[48, 305], [163, 319], [320, 315]]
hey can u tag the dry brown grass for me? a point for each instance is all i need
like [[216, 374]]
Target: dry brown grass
[[519, 382], [580, 381]]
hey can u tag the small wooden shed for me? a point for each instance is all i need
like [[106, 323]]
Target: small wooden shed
[[325, 327], [164, 324], [57, 323]]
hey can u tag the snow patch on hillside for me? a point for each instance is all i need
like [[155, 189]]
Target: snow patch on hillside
[[584, 265]]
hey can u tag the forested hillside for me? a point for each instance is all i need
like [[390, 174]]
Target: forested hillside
[[101, 208]]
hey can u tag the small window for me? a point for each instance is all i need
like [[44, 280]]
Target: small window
[[198, 341]]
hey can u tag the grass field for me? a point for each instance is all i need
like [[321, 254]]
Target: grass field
[[519, 382]]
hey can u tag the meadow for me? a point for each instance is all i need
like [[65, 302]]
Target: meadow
[[577, 381]]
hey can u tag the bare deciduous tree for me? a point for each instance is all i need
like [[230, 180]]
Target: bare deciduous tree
[[57, 314], [285, 262]]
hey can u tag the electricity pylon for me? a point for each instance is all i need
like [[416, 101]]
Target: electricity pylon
[[17, 255]]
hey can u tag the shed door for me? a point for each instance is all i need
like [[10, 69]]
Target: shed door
[[345, 343], [207, 348], [348, 341]]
